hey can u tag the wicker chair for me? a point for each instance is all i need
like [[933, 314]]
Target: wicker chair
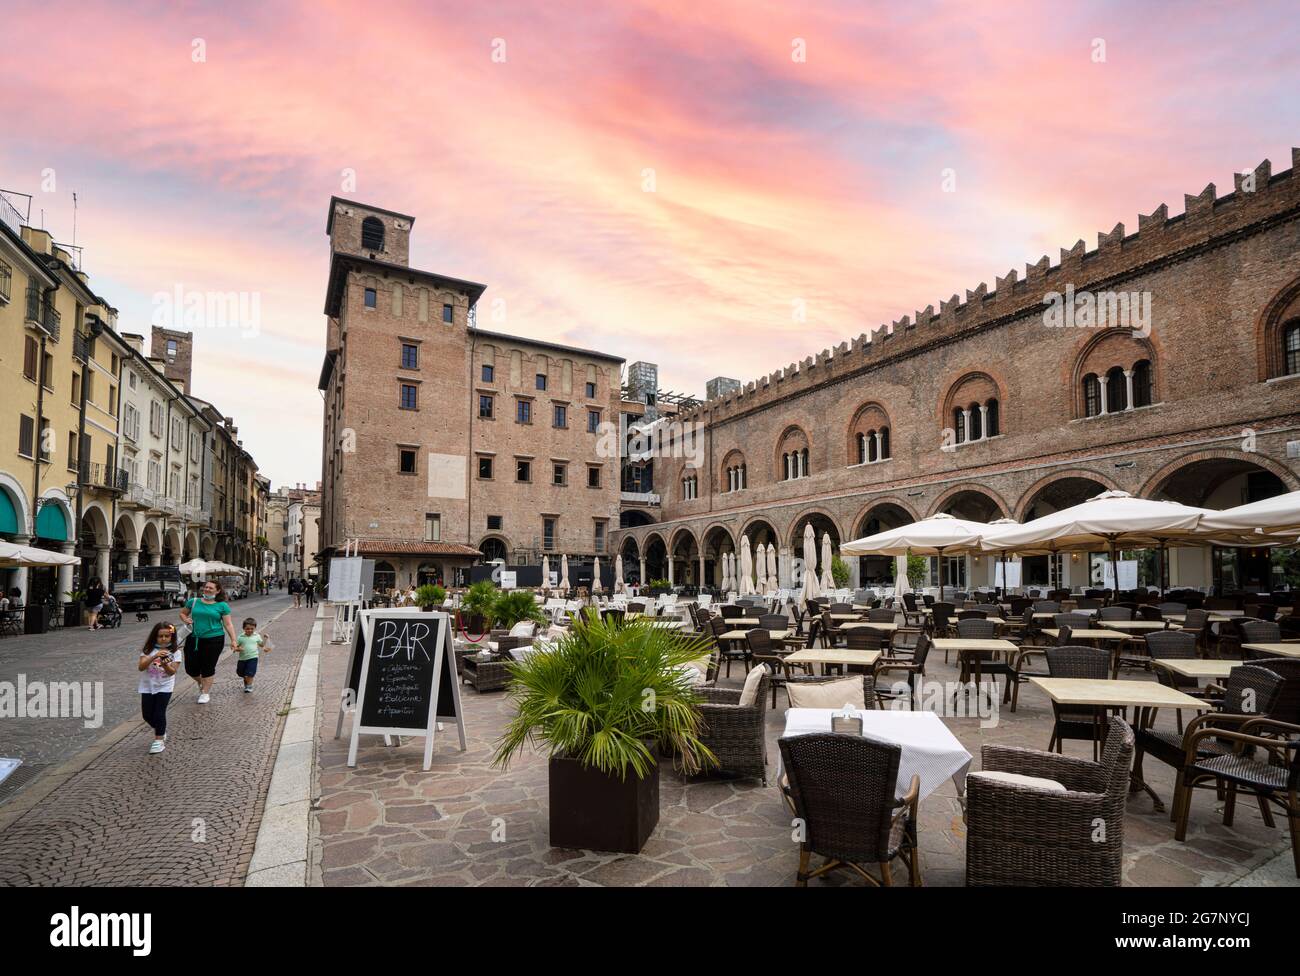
[[727, 652], [978, 628], [1257, 632], [1172, 609], [1165, 645], [1021, 836], [1114, 613], [491, 675], [730, 611], [763, 650], [842, 788], [774, 621], [1250, 692], [1075, 621], [1275, 780], [881, 616], [912, 665], [832, 636], [1148, 612], [1075, 662], [734, 732]]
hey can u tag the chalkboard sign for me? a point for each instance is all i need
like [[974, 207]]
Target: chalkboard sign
[[401, 677]]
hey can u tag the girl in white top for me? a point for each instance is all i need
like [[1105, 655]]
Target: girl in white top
[[159, 659]]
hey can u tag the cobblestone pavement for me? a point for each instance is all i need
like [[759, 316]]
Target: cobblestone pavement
[[186, 817], [387, 822], [107, 656]]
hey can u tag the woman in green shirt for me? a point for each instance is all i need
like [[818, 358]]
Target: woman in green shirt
[[208, 618]]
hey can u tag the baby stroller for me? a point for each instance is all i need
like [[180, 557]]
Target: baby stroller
[[111, 615]]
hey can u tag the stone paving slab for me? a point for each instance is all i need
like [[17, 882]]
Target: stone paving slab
[[386, 822], [186, 817]]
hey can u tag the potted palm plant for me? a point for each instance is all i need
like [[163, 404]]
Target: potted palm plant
[[514, 606], [476, 606], [601, 702], [429, 597]]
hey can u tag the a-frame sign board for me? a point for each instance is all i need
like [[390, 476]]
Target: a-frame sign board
[[401, 678]]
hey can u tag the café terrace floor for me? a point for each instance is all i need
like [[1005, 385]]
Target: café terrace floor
[[388, 822]]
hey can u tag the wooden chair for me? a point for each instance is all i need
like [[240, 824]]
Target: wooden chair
[[1075, 662]]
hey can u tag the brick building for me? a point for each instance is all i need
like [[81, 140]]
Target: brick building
[[445, 443], [999, 405]]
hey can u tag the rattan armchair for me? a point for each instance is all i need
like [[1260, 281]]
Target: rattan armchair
[[1075, 662], [1264, 761], [842, 789], [1021, 836], [733, 732]]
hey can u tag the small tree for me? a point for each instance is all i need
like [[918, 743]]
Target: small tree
[[918, 568], [839, 572], [429, 597]]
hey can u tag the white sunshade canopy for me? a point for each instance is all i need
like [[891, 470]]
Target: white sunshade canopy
[[938, 535], [13, 555], [746, 568], [1109, 519], [1277, 515], [811, 587]]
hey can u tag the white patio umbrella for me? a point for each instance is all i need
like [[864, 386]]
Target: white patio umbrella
[[901, 583], [1111, 520], [619, 585], [726, 572], [595, 575], [546, 574], [1277, 515], [196, 567], [773, 581], [746, 568], [828, 578], [564, 574], [811, 589], [14, 556], [760, 569], [934, 536]]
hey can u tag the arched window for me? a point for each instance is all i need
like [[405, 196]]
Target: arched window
[[744, 477], [871, 446], [372, 234], [785, 462], [884, 442], [1143, 395], [1291, 349], [862, 449], [1091, 395], [803, 467], [1116, 390], [959, 425], [993, 427], [976, 422]]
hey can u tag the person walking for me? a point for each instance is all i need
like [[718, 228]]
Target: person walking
[[250, 645], [94, 600], [295, 591], [209, 620], [159, 659], [309, 587]]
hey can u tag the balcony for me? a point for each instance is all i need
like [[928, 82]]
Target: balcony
[[104, 477], [638, 498], [138, 494], [41, 314]]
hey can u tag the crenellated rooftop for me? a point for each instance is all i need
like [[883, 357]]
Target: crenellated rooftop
[[1257, 195]]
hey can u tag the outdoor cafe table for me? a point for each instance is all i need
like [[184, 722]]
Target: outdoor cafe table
[[929, 750], [1097, 635], [971, 649], [868, 625], [1197, 667], [846, 616], [1276, 649], [1144, 697], [839, 656], [739, 635], [1135, 626], [1212, 618]]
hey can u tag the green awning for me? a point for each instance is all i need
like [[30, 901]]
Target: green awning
[[8, 517], [50, 524]]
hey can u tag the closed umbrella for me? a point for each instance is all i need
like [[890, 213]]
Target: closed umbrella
[[760, 568], [595, 575], [939, 534], [828, 578], [726, 572], [773, 582], [811, 589], [901, 583], [619, 585], [546, 574], [564, 575], [746, 568]]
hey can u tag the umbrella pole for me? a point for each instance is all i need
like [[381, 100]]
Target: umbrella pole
[[940, 551], [1114, 568]]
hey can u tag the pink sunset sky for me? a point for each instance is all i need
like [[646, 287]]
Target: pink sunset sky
[[777, 181]]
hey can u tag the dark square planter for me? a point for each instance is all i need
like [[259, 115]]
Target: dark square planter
[[594, 812]]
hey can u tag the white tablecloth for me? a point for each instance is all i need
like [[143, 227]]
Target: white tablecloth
[[930, 751]]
